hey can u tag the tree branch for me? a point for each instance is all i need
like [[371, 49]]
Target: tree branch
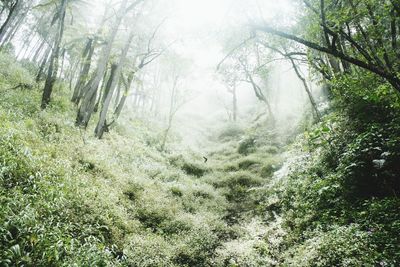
[[367, 66]]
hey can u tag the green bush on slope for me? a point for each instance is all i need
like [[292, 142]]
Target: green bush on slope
[[339, 202], [69, 199]]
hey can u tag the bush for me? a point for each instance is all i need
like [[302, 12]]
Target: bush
[[193, 169], [248, 163], [237, 190], [269, 167], [247, 146], [197, 249], [189, 168], [13, 73], [340, 246], [231, 131]]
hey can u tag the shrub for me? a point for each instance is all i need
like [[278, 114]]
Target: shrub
[[238, 192], [193, 169], [248, 163], [269, 167], [247, 146], [229, 132], [197, 249], [189, 168], [12, 72], [340, 246]]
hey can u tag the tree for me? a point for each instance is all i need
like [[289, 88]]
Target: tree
[[291, 56], [13, 8], [366, 37], [108, 93], [231, 79], [90, 90], [54, 58], [247, 62]]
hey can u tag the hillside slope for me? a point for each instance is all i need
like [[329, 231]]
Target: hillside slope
[[326, 198]]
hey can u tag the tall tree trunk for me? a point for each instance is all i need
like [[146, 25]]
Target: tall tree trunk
[[121, 103], [13, 10], [102, 124], [86, 106], [53, 67], [106, 97], [43, 64], [72, 72], [87, 62], [62, 63], [234, 104], [38, 51], [27, 44], [14, 28], [172, 111], [307, 89], [118, 95], [103, 86]]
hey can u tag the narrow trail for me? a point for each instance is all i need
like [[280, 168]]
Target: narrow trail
[[241, 167]]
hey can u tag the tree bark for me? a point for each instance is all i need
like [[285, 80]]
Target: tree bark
[[10, 17], [307, 88], [43, 64], [87, 62], [172, 111], [121, 103], [86, 106], [114, 80], [53, 67]]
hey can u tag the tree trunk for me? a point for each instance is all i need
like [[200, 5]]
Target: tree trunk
[[53, 67], [307, 88], [118, 95], [87, 62], [103, 86], [43, 64], [62, 63], [90, 89], [38, 51], [101, 126], [9, 19], [122, 101], [35, 52], [11, 33], [234, 104], [172, 111], [114, 80]]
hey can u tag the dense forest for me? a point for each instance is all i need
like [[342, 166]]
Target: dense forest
[[199, 133]]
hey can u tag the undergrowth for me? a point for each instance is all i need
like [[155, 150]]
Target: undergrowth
[[328, 199]]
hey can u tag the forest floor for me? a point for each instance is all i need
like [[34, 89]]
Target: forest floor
[[69, 199]]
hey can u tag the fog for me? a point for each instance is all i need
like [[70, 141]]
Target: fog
[[199, 35], [199, 27]]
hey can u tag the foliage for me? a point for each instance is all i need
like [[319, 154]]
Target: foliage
[[230, 131], [247, 146], [338, 202]]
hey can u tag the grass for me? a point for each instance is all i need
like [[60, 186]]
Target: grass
[[68, 199]]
